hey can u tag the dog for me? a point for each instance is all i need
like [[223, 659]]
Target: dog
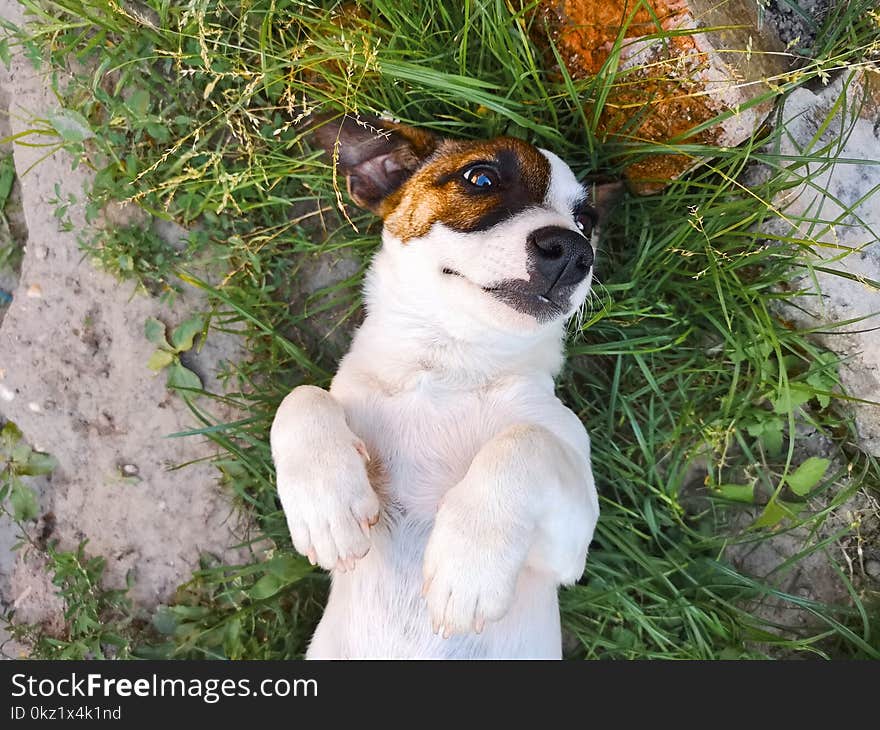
[[440, 479]]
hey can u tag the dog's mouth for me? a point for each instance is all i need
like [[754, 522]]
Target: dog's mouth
[[519, 294]]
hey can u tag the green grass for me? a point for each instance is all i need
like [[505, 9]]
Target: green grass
[[681, 370]]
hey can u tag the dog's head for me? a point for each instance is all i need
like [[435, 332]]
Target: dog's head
[[499, 229]]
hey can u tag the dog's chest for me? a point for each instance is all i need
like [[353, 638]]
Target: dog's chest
[[426, 436]]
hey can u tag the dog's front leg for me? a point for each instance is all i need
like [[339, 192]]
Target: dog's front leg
[[527, 499], [322, 479]]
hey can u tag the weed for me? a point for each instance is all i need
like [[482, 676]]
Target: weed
[[17, 461], [96, 618], [99, 622], [10, 253], [167, 354], [138, 253]]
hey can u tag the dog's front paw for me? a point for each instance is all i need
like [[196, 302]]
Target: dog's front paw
[[328, 501], [470, 568]]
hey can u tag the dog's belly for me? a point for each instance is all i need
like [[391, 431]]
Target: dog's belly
[[377, 611], [425, 441]]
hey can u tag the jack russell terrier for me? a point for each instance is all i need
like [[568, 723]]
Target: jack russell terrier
[[440, 479]]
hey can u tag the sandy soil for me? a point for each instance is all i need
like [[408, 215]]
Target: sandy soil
[[73, 377]]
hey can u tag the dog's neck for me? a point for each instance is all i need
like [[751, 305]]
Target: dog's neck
[[400, 343]]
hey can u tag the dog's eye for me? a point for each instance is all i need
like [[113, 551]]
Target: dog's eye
[[585, 218], [481, 176]]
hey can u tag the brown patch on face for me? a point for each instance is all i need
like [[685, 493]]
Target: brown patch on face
[[439, 193]]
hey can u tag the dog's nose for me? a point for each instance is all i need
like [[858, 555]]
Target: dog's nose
[[560, 256]]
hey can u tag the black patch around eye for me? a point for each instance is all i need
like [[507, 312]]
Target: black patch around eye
[[498, 214], [512, 194]]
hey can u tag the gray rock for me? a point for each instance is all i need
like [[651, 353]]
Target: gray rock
[[791, 26], [848, 246]]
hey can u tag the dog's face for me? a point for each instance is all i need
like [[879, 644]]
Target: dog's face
[[497, 231]]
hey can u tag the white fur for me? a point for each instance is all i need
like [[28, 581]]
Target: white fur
[[490, 501]]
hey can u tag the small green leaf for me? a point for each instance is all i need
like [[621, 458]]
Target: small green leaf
[[132, 166], [165, 621], [182, 377], [266, 587], [756, 428], [155, 333], [771, 516], [771, 437], [231, 640], [7, 177], [24, 502], [161, 650], [793, 509], [160, 359], [289, 568], [737, 492], [139, 103], [38, 463], [822, 381], [796, 395], [515, 130], [20, 454], [158, 132], [33, 53], [623, 638], [5, 56], [9, 436], [189, 613], [184, 334], [126, 262], [70, 125], [807, 475]]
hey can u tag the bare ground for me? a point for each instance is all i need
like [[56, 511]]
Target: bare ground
[[73, 377]]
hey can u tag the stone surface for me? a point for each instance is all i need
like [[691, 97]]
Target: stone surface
[[797, 28], [666, 88], [849, 245], [73, 369]]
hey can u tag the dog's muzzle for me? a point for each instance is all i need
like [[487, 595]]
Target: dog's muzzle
[[559, 259]]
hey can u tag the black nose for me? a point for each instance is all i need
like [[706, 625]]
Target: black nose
[[560, 256]]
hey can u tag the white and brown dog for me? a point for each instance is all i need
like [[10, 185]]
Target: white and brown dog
[[440, 478]]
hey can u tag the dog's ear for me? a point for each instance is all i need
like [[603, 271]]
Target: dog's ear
[[376, 156], [604, 196]]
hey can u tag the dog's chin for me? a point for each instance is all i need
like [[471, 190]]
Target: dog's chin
[[521, 306], [522, 298]]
